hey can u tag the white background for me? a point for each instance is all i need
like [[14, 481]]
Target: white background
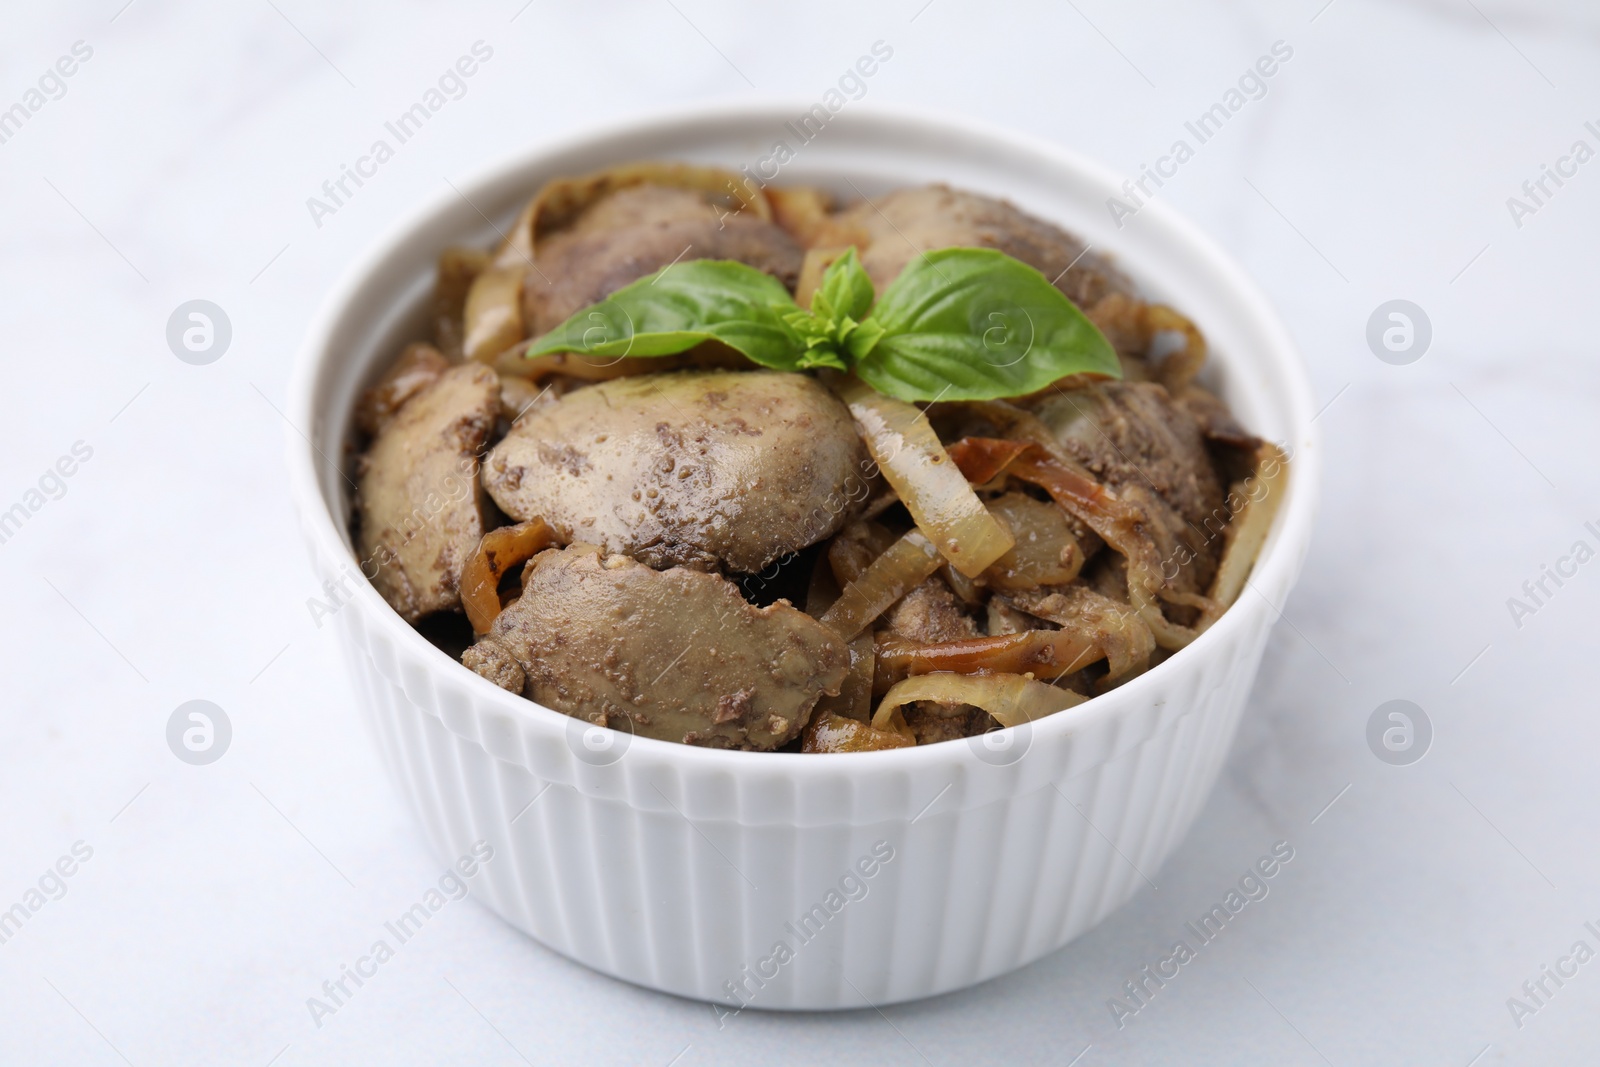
[[218, 898]]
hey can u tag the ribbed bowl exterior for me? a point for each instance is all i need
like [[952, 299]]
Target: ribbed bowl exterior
[[679, 880], [783, 881]]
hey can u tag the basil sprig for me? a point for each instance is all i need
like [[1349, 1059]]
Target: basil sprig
[[957, 324]]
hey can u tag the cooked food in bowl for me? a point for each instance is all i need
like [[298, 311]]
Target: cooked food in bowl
[[749, 468]]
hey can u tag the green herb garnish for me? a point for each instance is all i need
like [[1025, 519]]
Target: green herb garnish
[[957, 324]]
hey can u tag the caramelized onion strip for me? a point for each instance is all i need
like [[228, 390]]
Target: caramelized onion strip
[[1262, 493], [1178, 368], [900, 569], [498, 552], [458, 268], [829, 732], [1046, 553], [1076, 490], [1121, 635], [855, 695], [854, 700], [1050, 654], [1011, 699], [904, 446], [493, 314], [983, 459]]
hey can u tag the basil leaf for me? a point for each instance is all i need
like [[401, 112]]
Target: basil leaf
[[975, 324], [863, 339], [845, 292], [822, 356], [681, 306], [829, 330]]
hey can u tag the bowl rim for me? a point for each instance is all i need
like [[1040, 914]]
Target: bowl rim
[[1277, 566]]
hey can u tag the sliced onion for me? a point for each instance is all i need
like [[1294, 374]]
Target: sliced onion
[[1133, 327], [493, 316], [835, 733], [1046, 553], [1018, 424], [1263, 492], [983, 459], [1011, 699], [905, 448], [458, 268], [966, 589], [857, 686], [1120, 524], [498, 552], [900, 569], [517, 245], [1122, 527], [855, 693], [1115, 631], [1178, 368], [1050, 653]]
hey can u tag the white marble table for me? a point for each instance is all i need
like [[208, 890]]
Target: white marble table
[[176, 164]]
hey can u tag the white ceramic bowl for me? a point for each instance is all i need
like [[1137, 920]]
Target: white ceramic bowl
[[683, 869]]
